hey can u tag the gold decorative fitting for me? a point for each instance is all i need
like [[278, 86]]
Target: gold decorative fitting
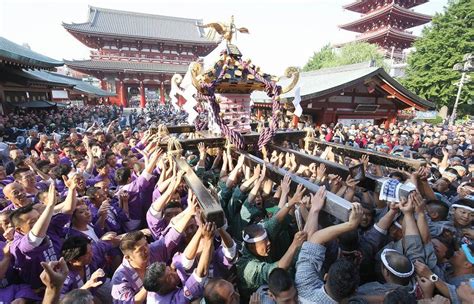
[[223, 30], [291, 72], [250, 77], [238, 73], [227, 76], [196, 69]]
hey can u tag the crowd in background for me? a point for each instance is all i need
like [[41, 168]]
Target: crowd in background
[[95, 210]]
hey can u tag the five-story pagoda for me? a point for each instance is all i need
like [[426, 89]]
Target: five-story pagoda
[[385, 23]]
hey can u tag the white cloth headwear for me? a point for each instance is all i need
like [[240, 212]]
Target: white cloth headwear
[[393, 271], [463, 206], [248, 239]]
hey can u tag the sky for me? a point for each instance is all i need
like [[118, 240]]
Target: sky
[[282, 33]]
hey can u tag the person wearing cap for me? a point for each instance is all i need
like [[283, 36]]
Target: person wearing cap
[[361, 248], [463, 218], [463, 265], [255, 264], [397, 258]]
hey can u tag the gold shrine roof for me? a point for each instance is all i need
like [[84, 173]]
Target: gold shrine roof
[[236, 79]]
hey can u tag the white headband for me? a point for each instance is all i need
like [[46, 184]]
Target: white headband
[[393, 271], [462, 206], [248, 239]]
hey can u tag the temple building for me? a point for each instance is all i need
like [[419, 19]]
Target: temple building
[[135, 53], [351, 94], [27, 80], [385, 23]]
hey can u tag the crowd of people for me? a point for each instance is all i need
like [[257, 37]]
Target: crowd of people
[[95, 210]]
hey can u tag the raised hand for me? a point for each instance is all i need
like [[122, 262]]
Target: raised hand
[[280, 159], [274, 157], [321, 172], [111, 237], [318, 199], [426, 286], [365, 160], [6, 250], [350, 182], [356, 215], [124, 196], [104, 208], [54, 273], [51, 199], [406, 204], [265, 153], [422, 270], [208, 231], [255, 298], [262, 174], [145, 154], [285, 184], [256, 171], [394, 206], [241, 161], [299, 239], [8, 234], [418, 203], [298, 196], [94, 281], [202, 149]]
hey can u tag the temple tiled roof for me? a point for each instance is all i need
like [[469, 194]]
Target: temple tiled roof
[[331, 80], [76, 83], [123, 66], [16, 54], [138, 25]]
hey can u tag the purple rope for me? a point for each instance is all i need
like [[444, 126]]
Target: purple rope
[[272, 91]]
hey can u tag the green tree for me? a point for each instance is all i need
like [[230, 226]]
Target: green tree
[[350, 53], [320, 59], [441, 45]]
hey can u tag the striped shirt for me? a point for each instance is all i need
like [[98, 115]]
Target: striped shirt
[[308, 275]]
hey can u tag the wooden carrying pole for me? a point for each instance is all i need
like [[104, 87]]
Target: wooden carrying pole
[[251, 139], [211, 207], [192, 128], [370, 182], [335, 205], [374, 157]]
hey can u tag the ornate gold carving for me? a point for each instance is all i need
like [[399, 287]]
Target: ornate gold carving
[[224, 30], [291, 72]]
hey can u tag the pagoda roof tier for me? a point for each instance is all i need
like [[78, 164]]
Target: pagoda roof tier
[[385, 34], [397, 16], [16, 55], [126, 66], [365, 6], [123, 24]]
